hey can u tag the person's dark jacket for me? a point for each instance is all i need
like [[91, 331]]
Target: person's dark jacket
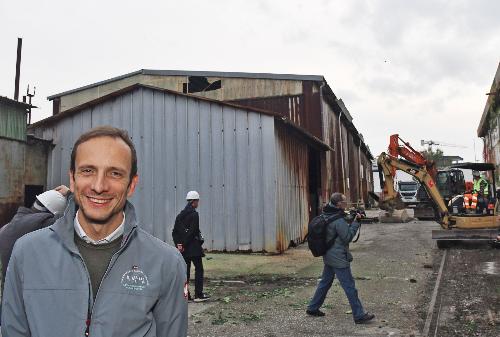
[[187, 232], [25, 221], [338, 256]]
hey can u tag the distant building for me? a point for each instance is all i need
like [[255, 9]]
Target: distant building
[[489, 126], [23, 159]]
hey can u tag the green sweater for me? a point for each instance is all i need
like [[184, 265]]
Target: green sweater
[[96, 258]]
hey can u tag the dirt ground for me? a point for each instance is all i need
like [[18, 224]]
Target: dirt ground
[[258, 295]]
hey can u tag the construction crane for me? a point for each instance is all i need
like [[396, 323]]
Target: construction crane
[[439, 143]]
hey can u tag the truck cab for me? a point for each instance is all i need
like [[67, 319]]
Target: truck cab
[[408, 191]]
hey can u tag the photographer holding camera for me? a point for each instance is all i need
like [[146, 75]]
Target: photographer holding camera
[[337, 261], [188, 240]]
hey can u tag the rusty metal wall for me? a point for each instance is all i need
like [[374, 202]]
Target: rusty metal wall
[[353, 169], [312, 108], [291, 107], [11, 178], [342, 167], [225, 153], [292, 206], [36, 160]]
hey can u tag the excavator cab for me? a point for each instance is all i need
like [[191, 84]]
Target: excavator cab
[[487, 204], [472, 223]]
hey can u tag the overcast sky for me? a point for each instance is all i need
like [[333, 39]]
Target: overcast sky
[[417, 68]]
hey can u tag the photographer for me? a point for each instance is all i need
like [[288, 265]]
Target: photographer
[[188, 240], [337, 262]]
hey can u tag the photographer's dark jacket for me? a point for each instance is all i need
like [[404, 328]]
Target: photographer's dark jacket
[[187, 232], [25, 221], [338, 256]]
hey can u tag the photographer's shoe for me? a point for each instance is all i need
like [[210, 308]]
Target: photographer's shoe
[[201, 298], [317, 313], [365, 319]]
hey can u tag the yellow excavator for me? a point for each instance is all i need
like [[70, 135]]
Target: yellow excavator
[[455, 225]]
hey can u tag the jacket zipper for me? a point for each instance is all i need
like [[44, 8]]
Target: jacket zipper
[[89, 305], [110, 265]]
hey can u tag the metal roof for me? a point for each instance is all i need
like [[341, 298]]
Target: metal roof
[[222, 74], [475, 166], [305, 134], [14, 102]]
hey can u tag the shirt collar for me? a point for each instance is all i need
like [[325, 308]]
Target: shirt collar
[[81, 233]]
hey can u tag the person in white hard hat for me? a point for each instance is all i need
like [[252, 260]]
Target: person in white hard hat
[[43, 213], [188, 240]]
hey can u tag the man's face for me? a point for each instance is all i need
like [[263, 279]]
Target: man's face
[[342, 204], [195, 203], [101, 181]]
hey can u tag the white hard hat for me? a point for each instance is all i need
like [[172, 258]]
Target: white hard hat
[[193, 195], [52, 200]]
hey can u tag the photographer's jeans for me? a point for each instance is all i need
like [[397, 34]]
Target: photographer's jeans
[[346, 280]]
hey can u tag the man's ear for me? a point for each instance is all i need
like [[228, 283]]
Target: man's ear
[[132, 185], [71, 181]]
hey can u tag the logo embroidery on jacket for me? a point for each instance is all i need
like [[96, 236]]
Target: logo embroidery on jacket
[[135, 279]]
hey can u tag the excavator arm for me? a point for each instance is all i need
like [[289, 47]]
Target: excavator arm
[[390, 199]]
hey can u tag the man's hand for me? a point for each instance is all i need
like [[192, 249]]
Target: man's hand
[[63, 189], [180, 247]]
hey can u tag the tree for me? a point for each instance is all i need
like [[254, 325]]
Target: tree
[[436, 156]]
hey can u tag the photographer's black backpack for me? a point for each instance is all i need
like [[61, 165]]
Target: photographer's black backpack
[[316, 236]]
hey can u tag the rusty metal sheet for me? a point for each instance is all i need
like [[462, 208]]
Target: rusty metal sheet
[[11, 176], [292, 199]]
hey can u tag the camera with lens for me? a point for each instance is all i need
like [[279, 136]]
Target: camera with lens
[[352, 213]]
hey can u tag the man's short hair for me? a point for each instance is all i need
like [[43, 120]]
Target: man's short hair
[[336, 198], [106, 131]]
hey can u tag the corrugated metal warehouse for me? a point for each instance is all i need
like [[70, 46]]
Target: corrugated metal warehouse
[[305, 100], [249, 165]]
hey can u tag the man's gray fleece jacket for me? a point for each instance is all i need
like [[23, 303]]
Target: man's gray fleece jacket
[[48, 291]]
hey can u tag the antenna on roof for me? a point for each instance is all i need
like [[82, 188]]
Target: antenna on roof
[[30, 95]]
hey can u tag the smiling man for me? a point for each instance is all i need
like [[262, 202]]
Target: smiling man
[[95, 272]]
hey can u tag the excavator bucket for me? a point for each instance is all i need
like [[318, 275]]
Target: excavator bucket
[[393, 211], [395, 216]]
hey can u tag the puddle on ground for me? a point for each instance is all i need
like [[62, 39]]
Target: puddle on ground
[[490, 268]]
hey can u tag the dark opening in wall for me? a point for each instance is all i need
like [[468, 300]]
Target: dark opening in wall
[[200, 84], [30, 193]]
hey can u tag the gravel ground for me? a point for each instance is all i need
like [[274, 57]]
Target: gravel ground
[[468, 303], [393, 268]]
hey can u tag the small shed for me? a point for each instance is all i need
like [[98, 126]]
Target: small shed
[[23, 159], [251, 166]]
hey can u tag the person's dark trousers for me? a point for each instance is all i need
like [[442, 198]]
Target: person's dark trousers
[[482, 203], [198, 273], [346, 281]]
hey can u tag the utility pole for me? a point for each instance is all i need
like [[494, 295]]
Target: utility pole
[[18, 68]]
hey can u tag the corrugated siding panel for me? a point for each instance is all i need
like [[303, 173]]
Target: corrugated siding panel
[[12, 153], [292, 189], [182, 144], [12, 121]]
